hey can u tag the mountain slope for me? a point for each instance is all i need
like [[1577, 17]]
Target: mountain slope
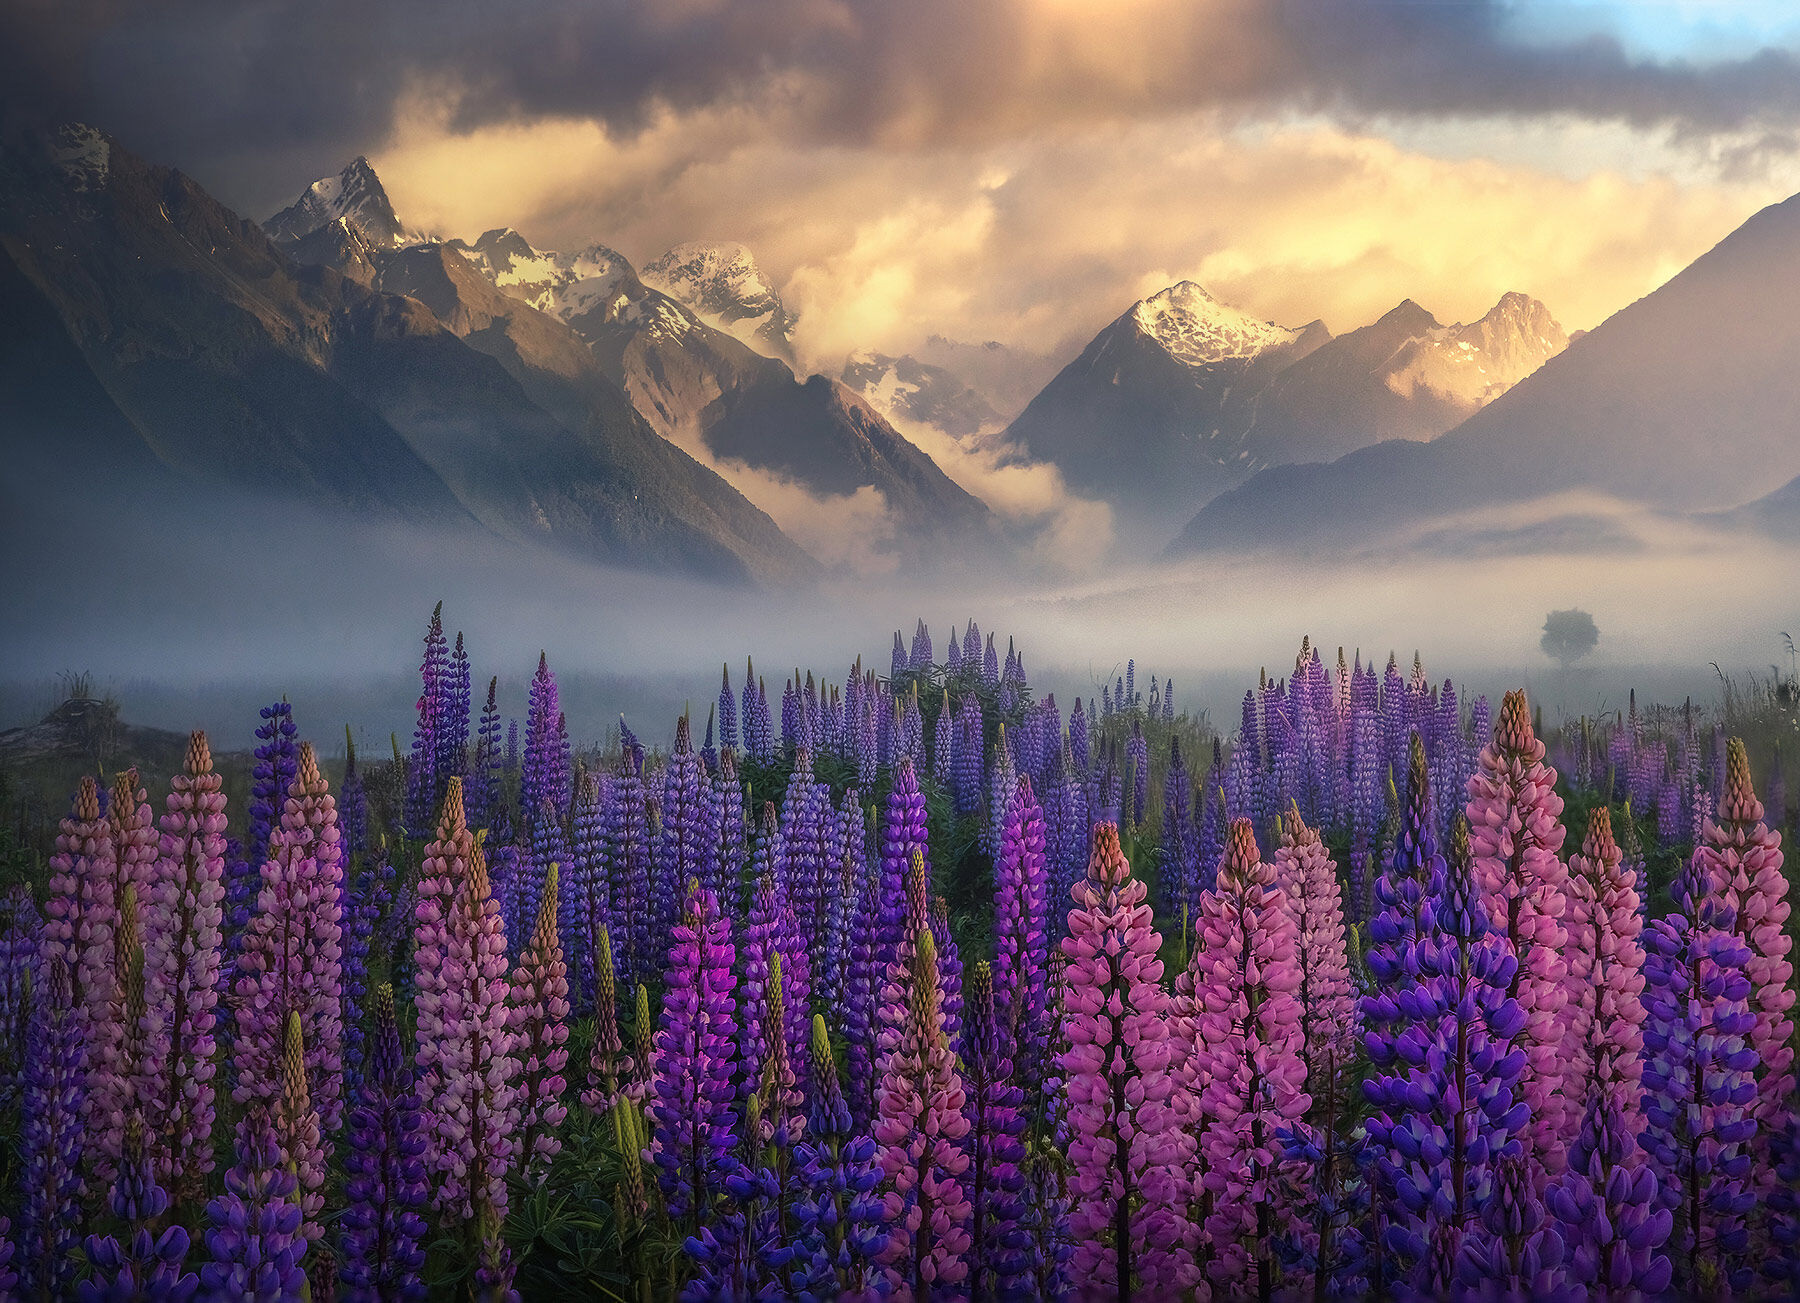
[[1141, 416], [1184, 397], [708, 392], [1402, 377], [1684, 399], [237, 366]]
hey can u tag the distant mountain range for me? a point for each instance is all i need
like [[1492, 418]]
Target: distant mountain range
[[1185, 396], [339, 358], [1684, 401], [201, 349]]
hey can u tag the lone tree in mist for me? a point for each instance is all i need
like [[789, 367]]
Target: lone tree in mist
[[1568, 636]]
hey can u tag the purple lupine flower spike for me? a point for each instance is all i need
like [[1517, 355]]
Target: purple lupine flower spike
[[1128, 1209], [463, 1042], [181, 971], [51, 1139], [921, 1123], [1741, 854], [384, 1167], [253, 1233], [1021, 939], [291, 961], [999, 1267], [539, 1017], [690, 1108]]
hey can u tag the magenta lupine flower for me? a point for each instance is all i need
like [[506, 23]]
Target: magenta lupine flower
[[1308, 878], [1604, 1018], [1515, 834], [181, 974], [919, 1132], [83, 910], [1021, 938], [117, 1086], [692, 1089], [294, 1127], [291, 961], [384, 1170], [1129, 1188], [52, 1134], [1742, 857], [1248, 1058], [539, 1018], [463, 1043]]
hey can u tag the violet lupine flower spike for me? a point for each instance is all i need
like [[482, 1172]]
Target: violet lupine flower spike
[[464, 1045], [539, 1017], [148, 1265], [51, 1139], [181, 972], [919, 1131], [1021, 939], [1742, 857], [253, 1233], [1128, 1201], [277, 760], [1247, 1061], [1515, 834], [841, 1220], [1699, 1083], [1610, 1214], [423, 777], [384, 1169], [291, 960], [998, 1265], [691, 1104]]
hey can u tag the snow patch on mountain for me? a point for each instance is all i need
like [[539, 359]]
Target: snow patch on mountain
[[906, 390], [1197, 330], [1474, 364], [83, 156], [721, 282]]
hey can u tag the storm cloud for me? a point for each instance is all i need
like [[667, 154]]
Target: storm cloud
[[247, 96]]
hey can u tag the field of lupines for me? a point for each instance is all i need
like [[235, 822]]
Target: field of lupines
[[917, 989]]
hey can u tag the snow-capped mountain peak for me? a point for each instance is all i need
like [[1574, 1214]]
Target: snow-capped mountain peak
[[1475, 363], [721, 281], [1196, 329], [83, 155], [356, 196]]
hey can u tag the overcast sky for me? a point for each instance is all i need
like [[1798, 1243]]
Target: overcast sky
[[1018, 170]]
